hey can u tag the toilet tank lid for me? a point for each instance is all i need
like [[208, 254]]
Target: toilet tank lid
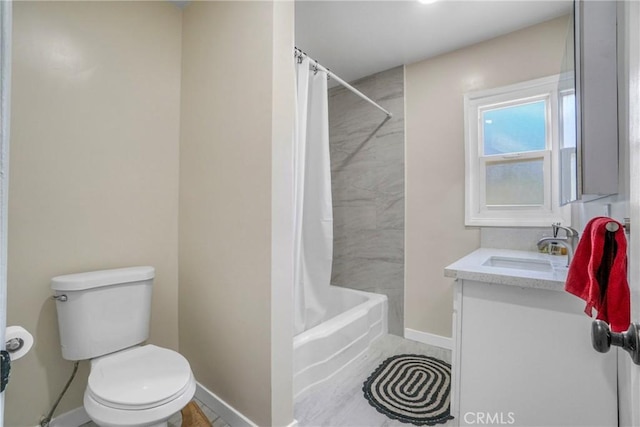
[[95, 279]]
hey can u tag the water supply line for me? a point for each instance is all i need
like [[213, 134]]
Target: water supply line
[[46, 420]]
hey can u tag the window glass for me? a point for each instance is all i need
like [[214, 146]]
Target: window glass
[[513, 183], [516, 128], [515, 153], [568, 120], [568, 161]]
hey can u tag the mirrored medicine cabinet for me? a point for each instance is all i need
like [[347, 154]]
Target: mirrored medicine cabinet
[[588, 95]]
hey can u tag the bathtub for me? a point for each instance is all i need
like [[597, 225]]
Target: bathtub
[[355, 319]]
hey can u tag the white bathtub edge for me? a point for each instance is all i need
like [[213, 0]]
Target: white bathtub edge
[[303, 392], [372, 300], [363, 324], [429, 339], [349, 316]]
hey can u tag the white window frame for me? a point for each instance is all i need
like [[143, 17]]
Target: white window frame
[[477, 212]]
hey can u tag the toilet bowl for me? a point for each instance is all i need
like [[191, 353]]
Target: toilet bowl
[[141, 386], [129, 385]]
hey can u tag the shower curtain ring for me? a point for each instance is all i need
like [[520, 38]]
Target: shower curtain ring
[[315, 68]]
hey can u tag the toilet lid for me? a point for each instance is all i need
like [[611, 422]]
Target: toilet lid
[[139, 378]]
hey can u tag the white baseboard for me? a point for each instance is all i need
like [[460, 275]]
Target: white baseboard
[[430, 339], [228, 413], [73, 418]]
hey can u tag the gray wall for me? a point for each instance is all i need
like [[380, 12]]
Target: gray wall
[[367, 171]]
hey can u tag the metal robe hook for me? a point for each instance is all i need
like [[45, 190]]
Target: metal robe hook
[[602, 339], [612, 227]]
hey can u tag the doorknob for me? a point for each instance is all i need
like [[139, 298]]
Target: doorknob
[[602, 339]]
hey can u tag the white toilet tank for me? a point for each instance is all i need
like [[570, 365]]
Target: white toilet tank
[[101, 312]]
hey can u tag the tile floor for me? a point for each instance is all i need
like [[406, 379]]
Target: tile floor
[[176, 420], [340, 402]]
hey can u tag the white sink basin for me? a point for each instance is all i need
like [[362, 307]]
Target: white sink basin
[[529, 264], [526, 269]]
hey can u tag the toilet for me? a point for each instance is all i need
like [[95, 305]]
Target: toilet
[[103, 316]]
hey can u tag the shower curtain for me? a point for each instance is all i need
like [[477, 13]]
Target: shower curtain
[[313, 216]]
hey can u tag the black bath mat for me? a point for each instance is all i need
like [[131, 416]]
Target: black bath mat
[[411, 388]]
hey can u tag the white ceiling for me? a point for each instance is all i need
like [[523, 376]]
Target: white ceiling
[[358, 38]]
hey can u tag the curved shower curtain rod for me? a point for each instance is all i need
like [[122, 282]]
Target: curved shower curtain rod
[[316, 66]]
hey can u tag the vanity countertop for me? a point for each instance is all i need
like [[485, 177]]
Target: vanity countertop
[[510, 267]]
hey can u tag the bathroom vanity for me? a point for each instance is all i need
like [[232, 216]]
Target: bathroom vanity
[[523, 353]]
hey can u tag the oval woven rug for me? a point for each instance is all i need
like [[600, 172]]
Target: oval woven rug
[[411, 388]]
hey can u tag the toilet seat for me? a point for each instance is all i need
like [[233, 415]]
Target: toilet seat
[[111, 417], [139, 378]]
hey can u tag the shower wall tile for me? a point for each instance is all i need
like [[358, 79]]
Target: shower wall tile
[[390, 177], [361, 159], [366, 274], [377, 244], [390, 84], [346, 218], [349, 195], [367, 85], [367, 169], [354, 134], [390, 211], [390, 148], [395, 124], [396, 310], [360, 183], [352, 145], [354, 129], [383, 244]]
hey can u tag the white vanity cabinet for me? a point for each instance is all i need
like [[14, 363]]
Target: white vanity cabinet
[[523, 353]]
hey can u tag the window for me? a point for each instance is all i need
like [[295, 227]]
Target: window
[[568, 153], [513, 147]]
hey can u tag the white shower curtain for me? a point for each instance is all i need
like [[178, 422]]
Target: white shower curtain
[[313, 217]]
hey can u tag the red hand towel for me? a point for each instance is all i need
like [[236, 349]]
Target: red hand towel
[[609, 297]]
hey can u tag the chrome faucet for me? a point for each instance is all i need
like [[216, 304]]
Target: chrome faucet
[[561, 241], [568, 241], [570, 233]]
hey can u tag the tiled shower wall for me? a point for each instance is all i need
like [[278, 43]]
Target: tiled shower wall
[[367, 171]]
